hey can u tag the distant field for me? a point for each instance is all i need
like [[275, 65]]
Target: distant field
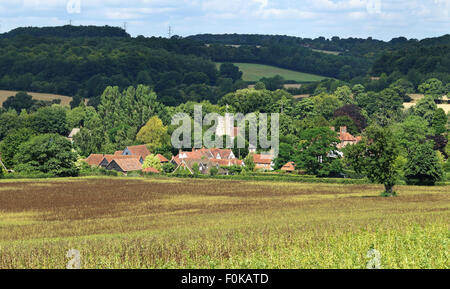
[[65, 100], [417, 97], [178, 223], [327, 51], [254, 72]]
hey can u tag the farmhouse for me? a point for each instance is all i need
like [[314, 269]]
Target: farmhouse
[[289, 167], [109, 158], [162, 159], [206, 159], [125, 165], [140, 150], [95, 159], [263, 162], [346, 138]]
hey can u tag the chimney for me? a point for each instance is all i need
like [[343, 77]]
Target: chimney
[[343, 129]]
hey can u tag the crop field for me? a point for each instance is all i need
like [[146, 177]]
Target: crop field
[[65, 100], [179, 223], [254, 72]]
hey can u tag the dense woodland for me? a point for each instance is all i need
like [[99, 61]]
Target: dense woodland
[[136, 85]]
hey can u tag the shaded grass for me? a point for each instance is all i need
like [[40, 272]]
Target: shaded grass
[[135, 223]]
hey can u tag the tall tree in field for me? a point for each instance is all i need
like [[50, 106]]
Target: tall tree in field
[[153, 134], [376, 156], [10, 144]]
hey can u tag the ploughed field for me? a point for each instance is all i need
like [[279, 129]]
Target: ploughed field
[[185, 223]]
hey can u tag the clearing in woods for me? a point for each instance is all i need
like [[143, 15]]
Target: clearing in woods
[[254, 72], [180, 223], [65, 100]]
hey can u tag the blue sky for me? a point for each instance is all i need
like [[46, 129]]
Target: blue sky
[[381, 19]]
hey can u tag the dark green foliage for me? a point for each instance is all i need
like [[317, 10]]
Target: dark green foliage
[[376, 156], [285, 155], [168, 168], [273, 83], [345, 121], [439, 122], [317, 152], [46, 153], [49, 120], [10, 144], [423, 166], [229, 70], [20, 101]]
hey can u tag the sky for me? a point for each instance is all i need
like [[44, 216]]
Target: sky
[[380, 19]]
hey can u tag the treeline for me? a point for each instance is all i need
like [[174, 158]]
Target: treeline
[[85, 66], [357, 58], [67, 31]]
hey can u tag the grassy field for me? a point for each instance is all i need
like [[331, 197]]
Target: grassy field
[[176, 223], [65, 100], [416, 97], [254, 72]]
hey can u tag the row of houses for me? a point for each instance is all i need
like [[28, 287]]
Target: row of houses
[[132, 158]]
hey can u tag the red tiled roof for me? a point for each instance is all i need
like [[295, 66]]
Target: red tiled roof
[[151, 170], [95, 159], [118, 153], [110, 158], [290, 166], [162, 158], [226, 163], [128, 165], [345, 136], [262, 159], [140, 150]]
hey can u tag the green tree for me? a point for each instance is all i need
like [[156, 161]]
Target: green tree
[[153, 134], [10, 145], [168, 168], [317, 152], [376, 156], [49, 120], [433, 87], [439, 122], [326, 104], [285, 155], [229, 70], [249, 162], [423, 166], [47, 153], [152, 161], [20, 101], [344, 94], [345, 121], [425, 108]]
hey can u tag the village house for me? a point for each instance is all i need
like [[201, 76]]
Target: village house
[[346, 138], [139, 150], [125, 165], [289, 167], [206, 159], [263, 162], [109, 158], [95, 159]]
